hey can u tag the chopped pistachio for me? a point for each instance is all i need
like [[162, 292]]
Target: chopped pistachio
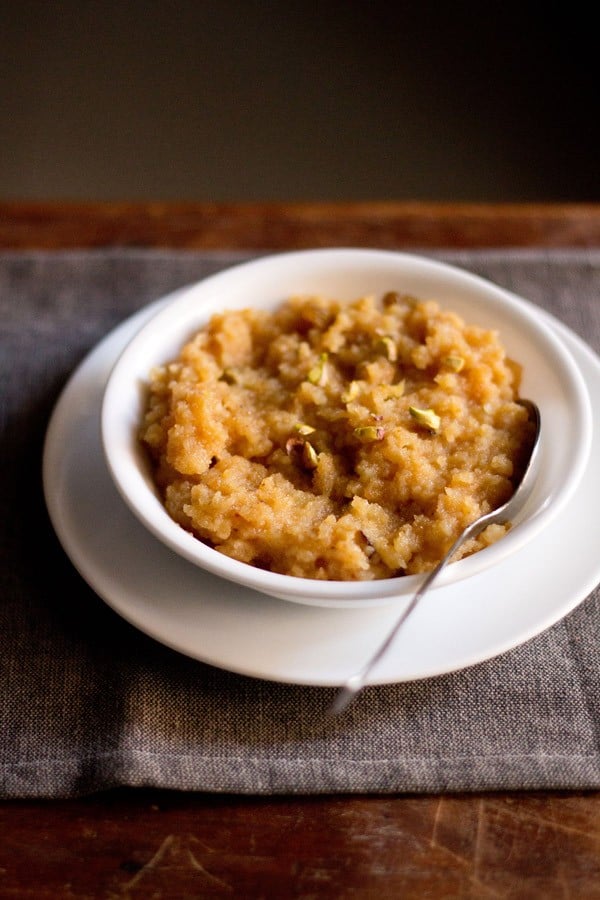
[[293, 445], [394, 390], [303, 428], [369, 433], [455, 363], [318, 373], [302, 452], [426, 417], [228, 376], [309, 456], [351, 392], [387, 346]]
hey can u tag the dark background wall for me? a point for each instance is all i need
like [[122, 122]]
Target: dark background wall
[[292, 101]]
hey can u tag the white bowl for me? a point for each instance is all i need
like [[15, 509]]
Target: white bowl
[[550, 377]]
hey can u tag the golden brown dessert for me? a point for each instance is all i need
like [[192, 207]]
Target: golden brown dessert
[[337, 440]]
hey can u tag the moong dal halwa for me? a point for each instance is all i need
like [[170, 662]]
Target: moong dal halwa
[[337, 440]]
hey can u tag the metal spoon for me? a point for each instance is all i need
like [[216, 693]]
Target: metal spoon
[[501, 515]]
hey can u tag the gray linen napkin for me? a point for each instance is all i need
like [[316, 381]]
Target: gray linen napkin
[[87, 702]]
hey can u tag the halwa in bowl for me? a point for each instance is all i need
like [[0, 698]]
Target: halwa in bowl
[[320, 425]]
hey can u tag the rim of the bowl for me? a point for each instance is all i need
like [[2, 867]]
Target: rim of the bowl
[[152, 513]]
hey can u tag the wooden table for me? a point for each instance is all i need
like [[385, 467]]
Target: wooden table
[[157, 844]]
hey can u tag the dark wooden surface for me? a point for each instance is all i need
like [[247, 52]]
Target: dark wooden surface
[[151, 844], [157, 844], [264, 226]]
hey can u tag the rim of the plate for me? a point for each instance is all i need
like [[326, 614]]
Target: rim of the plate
[[139, 618]]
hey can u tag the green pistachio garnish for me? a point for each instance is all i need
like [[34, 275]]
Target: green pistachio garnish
[[395, 390], [425, 417], [370, 433], [302, 428], [318, 373], [455, 363], [387, 346], [351, 392], [302, 452], [293, 445], [310, 458]]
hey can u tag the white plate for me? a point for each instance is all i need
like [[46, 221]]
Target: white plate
[[234, 628]]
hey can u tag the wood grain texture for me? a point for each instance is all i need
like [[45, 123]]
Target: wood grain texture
[[165, 845], [157, 844], [264, 226]]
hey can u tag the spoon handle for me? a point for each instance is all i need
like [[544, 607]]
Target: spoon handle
[[356, 682], [500, 515]]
